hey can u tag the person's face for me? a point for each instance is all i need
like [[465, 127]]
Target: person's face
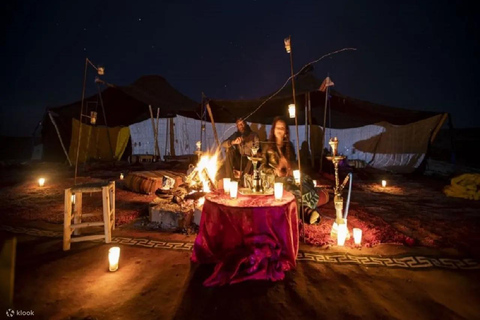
[[280, 130], [241, 126]]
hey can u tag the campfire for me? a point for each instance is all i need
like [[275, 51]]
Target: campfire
[[177, 204]]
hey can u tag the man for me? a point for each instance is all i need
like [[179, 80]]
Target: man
[[238, 147]]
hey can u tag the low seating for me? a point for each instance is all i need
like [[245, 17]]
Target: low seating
[[73, 210]]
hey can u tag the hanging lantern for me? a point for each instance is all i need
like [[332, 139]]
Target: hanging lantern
[[101, 71], [93, 117], [291, 110], [288, 46]]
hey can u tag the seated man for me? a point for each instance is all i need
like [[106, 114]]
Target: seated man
[[238, 147]]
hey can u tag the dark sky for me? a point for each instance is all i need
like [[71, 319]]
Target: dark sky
[[411, 54]]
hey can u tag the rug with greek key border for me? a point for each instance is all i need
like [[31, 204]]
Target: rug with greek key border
[[398, 261]]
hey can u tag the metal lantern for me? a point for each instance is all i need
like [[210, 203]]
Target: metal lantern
[[291, 110]]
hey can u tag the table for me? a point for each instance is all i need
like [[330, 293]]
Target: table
[[249, 238]]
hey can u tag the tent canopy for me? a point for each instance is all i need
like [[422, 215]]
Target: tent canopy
[[345, 112]]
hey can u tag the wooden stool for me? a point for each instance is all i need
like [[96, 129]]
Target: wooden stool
[[74, 210]]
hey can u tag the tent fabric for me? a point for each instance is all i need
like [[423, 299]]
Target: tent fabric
[[97, 144], [343, 111], [124, 105]]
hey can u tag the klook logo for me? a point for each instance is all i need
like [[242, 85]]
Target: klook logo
[[11, 313]]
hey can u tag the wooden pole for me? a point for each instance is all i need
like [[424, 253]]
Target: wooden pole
[[298, 142], [80, 119], [324, 128], [155, 150], [312, 158], [172, 137], [60, 138], [213, 125], [156, 134]]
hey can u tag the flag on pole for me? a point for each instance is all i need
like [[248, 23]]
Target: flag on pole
[[287, 44], [326, 83]]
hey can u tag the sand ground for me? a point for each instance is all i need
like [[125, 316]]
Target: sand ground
[[435, 277]]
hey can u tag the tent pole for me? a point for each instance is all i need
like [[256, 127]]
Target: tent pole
[[310, 130], [298, 142], [59, 137], [105, 120], [156, 134], [80, 119], [324, 128], [172, 137], [213, 125], [155, 146]]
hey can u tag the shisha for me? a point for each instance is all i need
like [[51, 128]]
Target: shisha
[[256, 181], [338, 199]]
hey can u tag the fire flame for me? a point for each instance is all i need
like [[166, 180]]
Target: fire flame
[[208, 164]]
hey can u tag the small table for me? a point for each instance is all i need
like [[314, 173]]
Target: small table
[[253, 237]]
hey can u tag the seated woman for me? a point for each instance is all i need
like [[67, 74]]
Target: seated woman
[[279, 160]]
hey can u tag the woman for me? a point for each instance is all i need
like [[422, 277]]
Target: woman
[[279, 160]]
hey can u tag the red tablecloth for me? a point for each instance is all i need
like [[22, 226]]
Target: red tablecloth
[[249, 238]]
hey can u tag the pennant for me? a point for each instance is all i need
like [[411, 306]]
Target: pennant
[[325, 84], [287, 44]]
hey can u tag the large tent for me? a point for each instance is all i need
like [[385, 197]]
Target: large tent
[[123, 106], [384, 137]]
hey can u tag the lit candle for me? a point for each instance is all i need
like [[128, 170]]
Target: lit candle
[[384, 183], [226, 185], [121, 176], [113, 257], [291, 110], [278, 190], [296, 176], [357, 236], [341, 234], [233, 189], [41, 182], [314, 183]]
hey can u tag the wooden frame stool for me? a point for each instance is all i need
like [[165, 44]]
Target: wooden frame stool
[[73, 210]]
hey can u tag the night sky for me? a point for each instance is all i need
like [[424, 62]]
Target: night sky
[[412, 54]]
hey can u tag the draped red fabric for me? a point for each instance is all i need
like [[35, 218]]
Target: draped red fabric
[[248, 238]]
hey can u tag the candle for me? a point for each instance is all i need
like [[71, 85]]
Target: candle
[[296, 176], [113, 257], [384, 183], [314, 183], [41, 182], [278, 190], [341, 234], [357, 236], [121, 176], [226, 185], [233, 189]]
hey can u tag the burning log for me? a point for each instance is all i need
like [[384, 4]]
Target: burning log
[[206, 177]]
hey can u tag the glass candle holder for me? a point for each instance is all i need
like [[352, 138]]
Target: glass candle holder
[[357, 236], [278, 190], [226, 185], [233, 189], [341, 234], [41, 182], [113, 258]]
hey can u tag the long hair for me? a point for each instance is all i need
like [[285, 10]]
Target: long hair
[[286, 139]]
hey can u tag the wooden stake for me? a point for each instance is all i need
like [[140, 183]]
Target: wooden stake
[[60, 138], [213, 125]]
